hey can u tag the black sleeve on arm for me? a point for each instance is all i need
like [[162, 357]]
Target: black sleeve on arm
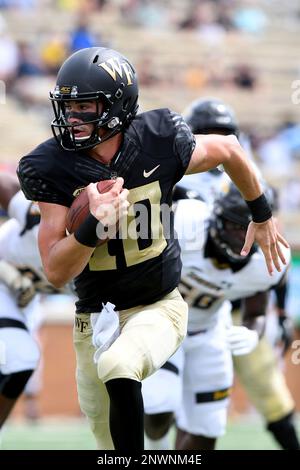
[[254, 310], [37, 188], [256, 305], [280, 291], [184, 142]]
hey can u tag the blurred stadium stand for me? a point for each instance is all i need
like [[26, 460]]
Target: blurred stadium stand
[[176, 66]]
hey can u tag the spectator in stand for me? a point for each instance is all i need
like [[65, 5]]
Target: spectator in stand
[[53, 53], [82, 37], [28, 61], [244, 77], [8, 56]]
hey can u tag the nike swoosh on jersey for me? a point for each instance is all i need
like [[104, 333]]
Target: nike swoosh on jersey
[[149, 173]]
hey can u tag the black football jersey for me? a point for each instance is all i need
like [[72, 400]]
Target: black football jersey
[[139, 269]]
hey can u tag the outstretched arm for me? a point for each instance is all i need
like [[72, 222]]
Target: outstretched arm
[[213, 150]]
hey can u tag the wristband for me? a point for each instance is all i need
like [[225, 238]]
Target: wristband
[[260, 209], [86, 233]]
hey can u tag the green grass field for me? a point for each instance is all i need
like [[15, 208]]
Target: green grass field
[[245, 434]]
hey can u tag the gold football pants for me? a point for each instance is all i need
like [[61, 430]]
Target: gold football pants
[[150, 334], [264, 382]]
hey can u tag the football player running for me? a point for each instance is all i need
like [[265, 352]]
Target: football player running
[[19, 304], [259, 372], [99, 135]]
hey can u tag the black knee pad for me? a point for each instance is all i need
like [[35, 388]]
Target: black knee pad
[[12, 385], [157, 425]]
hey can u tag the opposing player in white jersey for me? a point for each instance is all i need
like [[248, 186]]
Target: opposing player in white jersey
[[259, 372], [210, 116], [194, 385], [21, 277]]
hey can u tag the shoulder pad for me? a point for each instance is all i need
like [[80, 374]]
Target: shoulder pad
[[35, 187]]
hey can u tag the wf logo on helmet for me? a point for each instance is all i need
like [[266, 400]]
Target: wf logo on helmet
[[113, 67]]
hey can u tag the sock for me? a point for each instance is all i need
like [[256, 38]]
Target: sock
[[126, 415], [163, 443], [284, 432]]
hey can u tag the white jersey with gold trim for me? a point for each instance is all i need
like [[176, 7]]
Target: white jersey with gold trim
[[18, 239], [204, 285], [207, 184]]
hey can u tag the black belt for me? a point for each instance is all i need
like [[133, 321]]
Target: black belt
[[206, 397], [169, 366], [193, 333], [11, 323]]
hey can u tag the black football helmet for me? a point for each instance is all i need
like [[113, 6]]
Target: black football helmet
[[229, 223], [230, 220], [94, 74], [211, 116]]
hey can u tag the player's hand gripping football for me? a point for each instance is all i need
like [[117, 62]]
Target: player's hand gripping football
[[111, 206], [269, 240]]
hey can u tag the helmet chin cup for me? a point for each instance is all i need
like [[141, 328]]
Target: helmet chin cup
[[82, 139]]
